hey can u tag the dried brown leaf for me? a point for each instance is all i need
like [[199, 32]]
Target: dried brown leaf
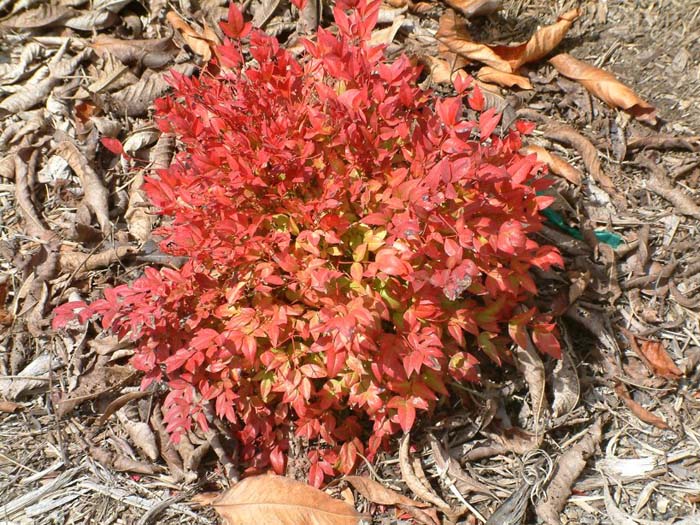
[[378, 493], [276, 500], [556, 164], [92, 20], [153, 53], [140, 433], [72, 261], [659, 184], [441, 72], [118, 403], [568, 468], [413, 483], [33, 376], [46, 15], [453, 33], [451, 467], [198, 42], [655, 357], [605, 86], [565, 383], [501, 78], [638, 410], [134, 100], [531, 367], [470, 8], [10, 407], [95, 194], [98, 381]]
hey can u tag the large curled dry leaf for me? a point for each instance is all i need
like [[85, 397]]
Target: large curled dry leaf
[[276, 500], [556, 164], [501, 78], [200, 43], [605, 86], [453, 33], [568, 468]]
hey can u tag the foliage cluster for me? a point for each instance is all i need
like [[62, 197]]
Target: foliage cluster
[[354, 246]]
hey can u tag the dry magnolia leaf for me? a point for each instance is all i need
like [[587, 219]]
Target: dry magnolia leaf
[[556, 164], [638, 410], [276, 500], [413, 482], [605, 86], [378, 493], [501, 78], [453, 33], [470, 8], [568, 468]]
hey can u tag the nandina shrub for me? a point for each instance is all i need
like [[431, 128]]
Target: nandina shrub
[[354, 244]]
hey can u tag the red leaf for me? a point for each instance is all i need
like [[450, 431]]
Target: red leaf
[[387, 262], [235, 27]]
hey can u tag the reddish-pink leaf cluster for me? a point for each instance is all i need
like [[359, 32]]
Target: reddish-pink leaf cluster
[[354, 245]]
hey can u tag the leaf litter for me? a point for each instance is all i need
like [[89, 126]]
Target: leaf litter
[[65, 231]]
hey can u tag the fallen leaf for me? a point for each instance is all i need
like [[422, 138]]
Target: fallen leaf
[[441, 72], [531, 367], [135, 100], [569, 467], [153, 53], [565, 383], [47, 14], [614, 513], [413, 482], [139, 432], [453, 33], [276, 500], [378, 493], [660, 184], [556, 164], [96, 196], [501, 78], [470, 8], [92, 20], [654, 356], [118, 403], [72, 261], [10, 407], [605, 86], [199, 43], [95, 383], [451, 467], [638, 410]]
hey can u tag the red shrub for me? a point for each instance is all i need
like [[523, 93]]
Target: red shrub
[[352, 241]]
